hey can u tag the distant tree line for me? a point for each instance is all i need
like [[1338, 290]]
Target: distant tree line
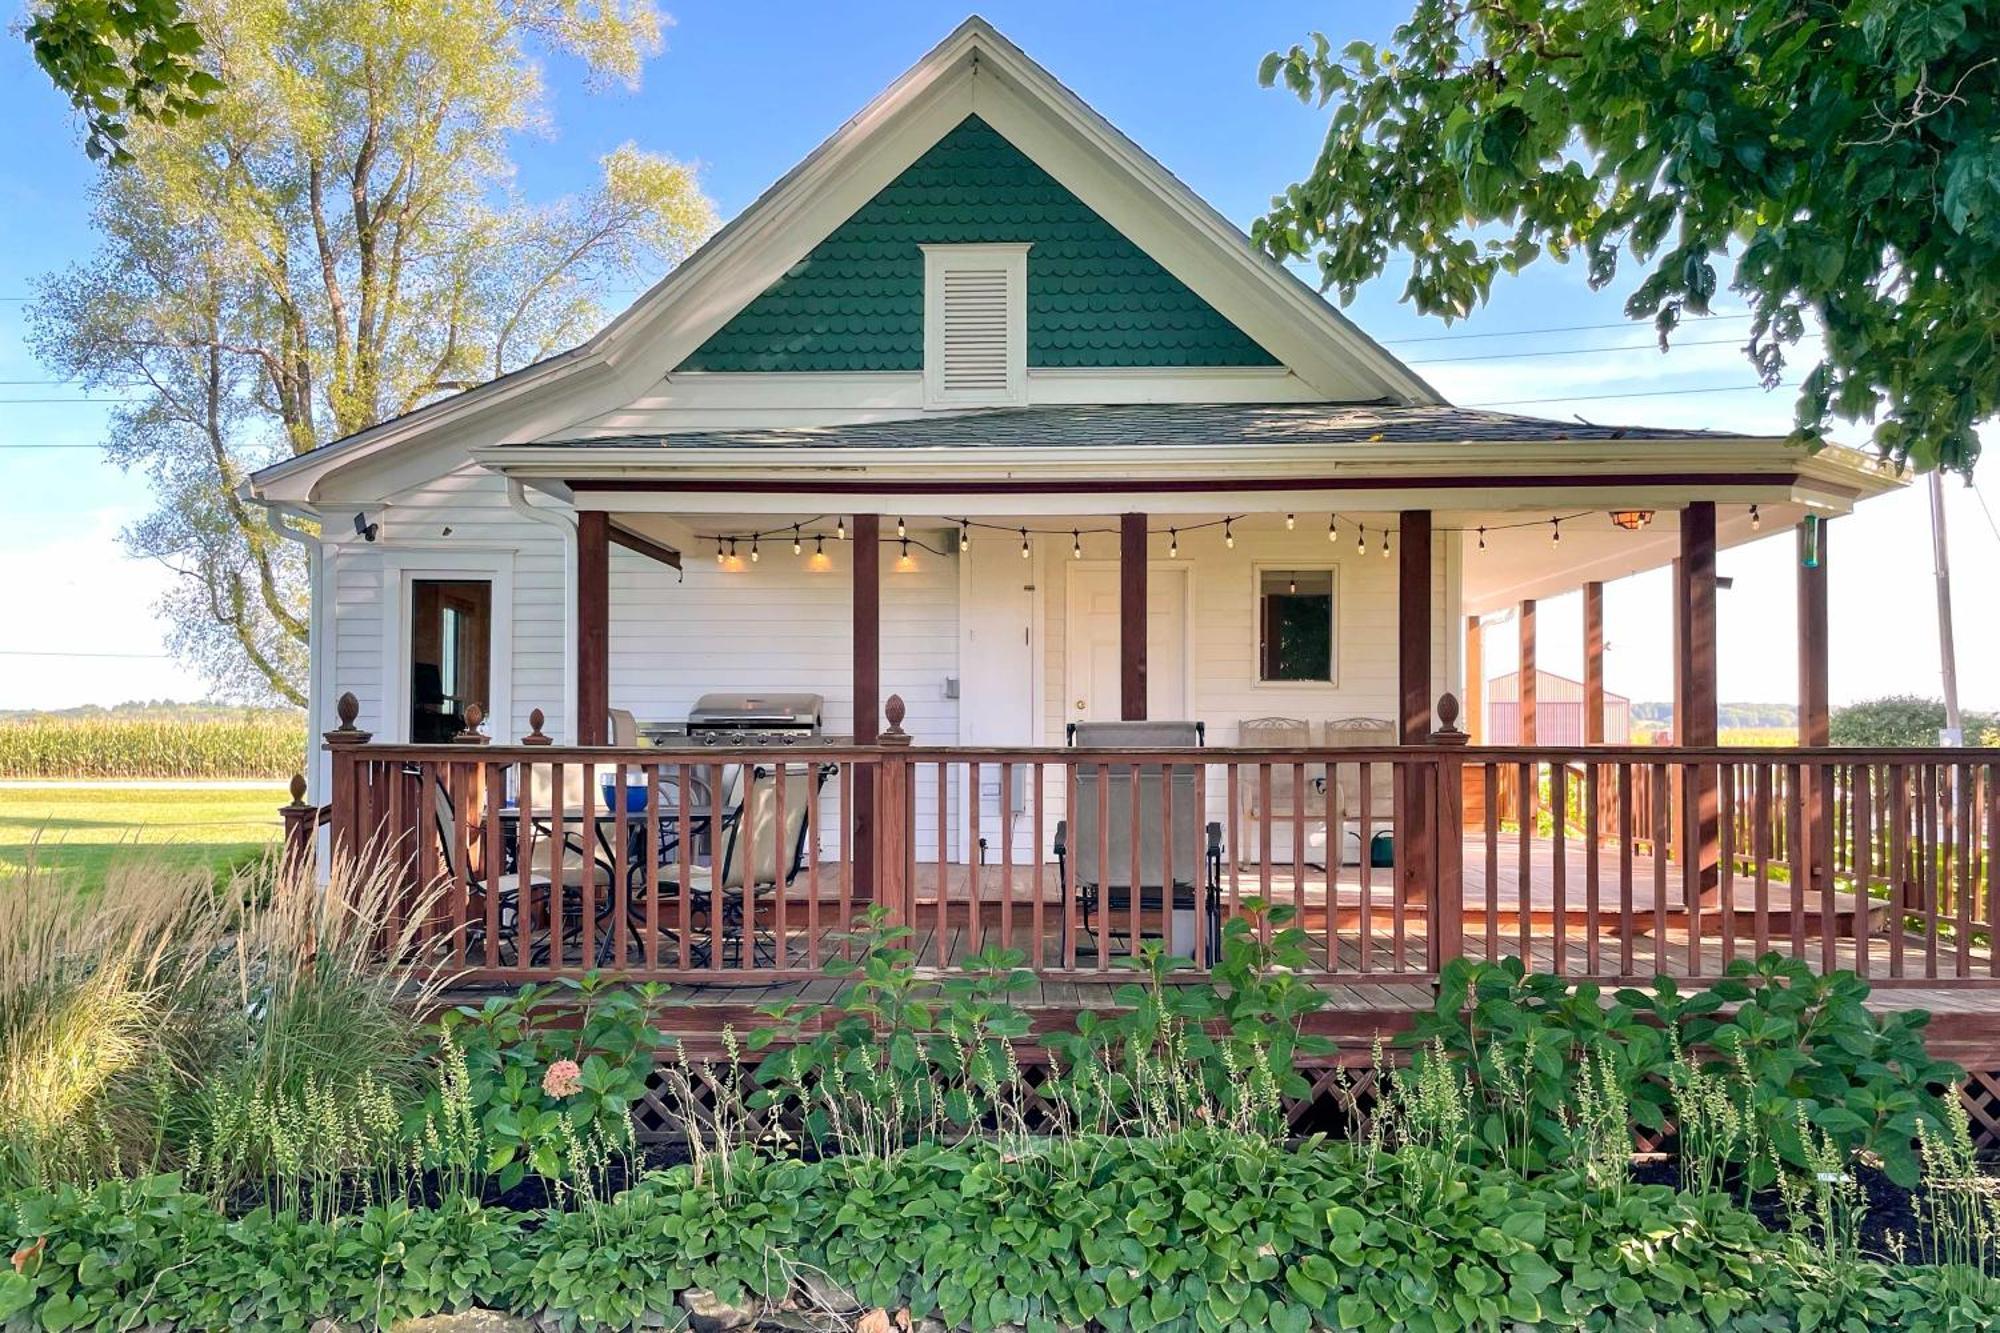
[[1727, 716]]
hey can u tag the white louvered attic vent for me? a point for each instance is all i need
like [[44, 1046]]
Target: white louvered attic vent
[[975, 325]]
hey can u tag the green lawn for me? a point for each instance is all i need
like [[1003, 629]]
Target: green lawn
[[83, 829]]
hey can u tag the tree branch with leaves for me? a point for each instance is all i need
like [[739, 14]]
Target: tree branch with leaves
[[1844, 156], [336, 243]]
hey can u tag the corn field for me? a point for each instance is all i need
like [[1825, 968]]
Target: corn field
[[270, 746]]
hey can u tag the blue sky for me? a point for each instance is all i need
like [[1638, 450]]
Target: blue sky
[[745, 90]]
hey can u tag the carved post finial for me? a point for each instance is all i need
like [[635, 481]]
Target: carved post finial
[[346, 708], [894, 710], [474, 715], [298, 790], [1447, 732], [535, 736]]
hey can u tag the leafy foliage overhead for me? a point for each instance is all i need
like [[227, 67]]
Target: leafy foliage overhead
[[121, 60], [1845, 156]]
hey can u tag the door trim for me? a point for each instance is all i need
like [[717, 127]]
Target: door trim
[[400, 569], [1071, 568]]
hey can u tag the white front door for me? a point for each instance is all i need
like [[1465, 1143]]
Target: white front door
[[998, 647], [1091, 651]]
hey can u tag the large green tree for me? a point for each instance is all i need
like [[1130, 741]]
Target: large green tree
[[1842, 155], [336, 242]]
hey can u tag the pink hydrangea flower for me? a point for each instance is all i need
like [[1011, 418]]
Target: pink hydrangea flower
[[563, 1079]]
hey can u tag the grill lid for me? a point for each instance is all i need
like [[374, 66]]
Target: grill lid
[[742, 712]]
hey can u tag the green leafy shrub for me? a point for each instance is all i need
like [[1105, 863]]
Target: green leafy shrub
[[552, 1086], [1201, 1230], [1752, 1066]]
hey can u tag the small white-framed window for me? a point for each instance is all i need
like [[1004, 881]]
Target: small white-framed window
[[1298, 622], [975, 325]]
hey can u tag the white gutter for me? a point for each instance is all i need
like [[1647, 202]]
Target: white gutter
[[517, 500]]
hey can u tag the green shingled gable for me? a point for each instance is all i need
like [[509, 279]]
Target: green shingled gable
[[856, 301]]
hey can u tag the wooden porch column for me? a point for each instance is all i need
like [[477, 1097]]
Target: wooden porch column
[[1475, 682], [593, 626], [1528, 675], [1677, 594], [1132, 617], [1413, 625], [867, 696], [1814, 715], [1593, 663], [867, 628], [1697, 657], [1415, 866]]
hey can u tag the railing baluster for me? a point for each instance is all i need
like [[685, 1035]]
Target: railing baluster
[[1006, 808], [813, 775], [1198, 875], [1627, 924], [1071, 784], [1558, 863], [621, 875], [1264, 846], [1103, 867], [721, 847], [943, 888], [493, 866], [974, 855], [1134, 836], [1366, 865], [1233, 849], [781, 865], [1524, 913], [1692, 782], [1663, 787], [1038, 871], [1592, 873], [652, 849], [1725, 859], [1493, 772], [1299, 845], [1962, 845], [845, 821]]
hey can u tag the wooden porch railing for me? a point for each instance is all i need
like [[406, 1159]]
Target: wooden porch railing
[[752, 865]]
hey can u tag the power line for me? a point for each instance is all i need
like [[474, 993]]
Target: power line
[[1578, 351], [1600, 397], [1527, 333], [38, 652]]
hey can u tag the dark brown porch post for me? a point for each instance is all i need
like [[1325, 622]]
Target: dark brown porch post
[[1697, 655], [1413, 669], [1593, 663], [1527, 676], [593, 626], [1132, 617], [867, 692], [1814, 714]]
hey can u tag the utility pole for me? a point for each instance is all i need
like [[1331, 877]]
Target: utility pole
[[1954, 723]]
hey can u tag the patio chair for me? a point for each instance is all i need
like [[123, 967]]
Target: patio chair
[[554, 875], [624, 728], [749, 866], [1361, 733], [1288, 801], [1096, 864]]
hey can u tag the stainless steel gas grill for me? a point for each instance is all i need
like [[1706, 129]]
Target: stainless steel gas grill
[[755, 719]]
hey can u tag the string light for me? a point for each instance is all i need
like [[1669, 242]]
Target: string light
[[1360, 540], [732, 548], [1293, 585], [1555, 532], [1075, 544], [719, 556], [1173, 543], [1332, 528], [1385, 543], [906, 547], [840, 529], [819, 544], [753, 550], [1291, 521], [1228, 534], [964, 536], [1756, 519], [797, 545], [1024, 543], [1482, 539], [901, 531]]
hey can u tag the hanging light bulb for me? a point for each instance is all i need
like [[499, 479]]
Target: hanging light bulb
[[732, 548], [819, 544], [901, 530], [964, 536], [798, 546], [1228, 534], [1482, 539], [1332, 528], [1292, 586], [1024, 543], [1360, 540], [753, 548], [719, 556], [1555, 532], [1075, 544], [1385, 543], [840, 529], [1173, 543], [1291, 521], [906, 547], [1756, 519]]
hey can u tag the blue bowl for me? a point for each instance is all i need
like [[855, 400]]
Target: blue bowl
[[635, 798]]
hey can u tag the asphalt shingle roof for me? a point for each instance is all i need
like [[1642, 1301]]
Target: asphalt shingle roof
[[1161, 425]]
